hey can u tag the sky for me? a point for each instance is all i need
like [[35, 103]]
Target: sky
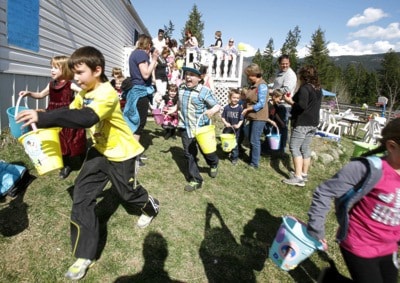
[[351, 27]]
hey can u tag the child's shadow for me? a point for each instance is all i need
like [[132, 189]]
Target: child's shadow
[[221, 255], [14, 217], [178, 156], [155, 253]]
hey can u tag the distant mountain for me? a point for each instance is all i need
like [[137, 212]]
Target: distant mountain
[[369, 62]]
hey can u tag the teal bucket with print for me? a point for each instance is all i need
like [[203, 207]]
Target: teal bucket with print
[[292, 244]]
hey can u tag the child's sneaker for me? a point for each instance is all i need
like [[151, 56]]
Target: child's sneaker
[[192, 186], [144, 219], [295, 181], [78, 269], [213, 172]]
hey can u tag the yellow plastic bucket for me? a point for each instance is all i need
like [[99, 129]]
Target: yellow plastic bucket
[[44, 149], [228, 142], [362, 147], [205, 137]]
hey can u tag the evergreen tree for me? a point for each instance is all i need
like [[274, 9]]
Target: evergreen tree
[[195, 24], [390, 78], [319, 57], [289, 47], [258, 59], [169, 30], [268, 59]]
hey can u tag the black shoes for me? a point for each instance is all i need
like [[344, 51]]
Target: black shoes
[[64, 172]]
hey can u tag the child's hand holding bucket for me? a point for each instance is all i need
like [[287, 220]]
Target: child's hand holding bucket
[[28, 117]]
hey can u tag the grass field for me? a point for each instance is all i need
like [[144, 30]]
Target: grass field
[[220, 233]]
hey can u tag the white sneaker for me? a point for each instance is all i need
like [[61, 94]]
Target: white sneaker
[[78, 269], [144, 221]]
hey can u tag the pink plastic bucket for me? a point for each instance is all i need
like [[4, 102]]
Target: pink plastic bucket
[[274, 139], [158, 116]]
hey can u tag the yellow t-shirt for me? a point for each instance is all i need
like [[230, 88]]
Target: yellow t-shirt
[[111, 136]]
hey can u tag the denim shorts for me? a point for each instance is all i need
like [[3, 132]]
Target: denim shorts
[[300, 141]]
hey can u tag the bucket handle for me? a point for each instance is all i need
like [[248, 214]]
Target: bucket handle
[[33, 125], [198, 120], [277, 131], [17, 105]]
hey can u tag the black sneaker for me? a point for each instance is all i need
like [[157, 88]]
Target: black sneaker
[[143, 157], [64, 172], [192, 186], [141, 163], [213, 172]]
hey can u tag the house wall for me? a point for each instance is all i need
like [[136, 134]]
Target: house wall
[[64, 25]]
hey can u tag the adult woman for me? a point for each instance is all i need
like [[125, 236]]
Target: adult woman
[[304, 120], [255, 110], [140, 69]]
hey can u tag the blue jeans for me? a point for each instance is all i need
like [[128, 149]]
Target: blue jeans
[[256, 129]]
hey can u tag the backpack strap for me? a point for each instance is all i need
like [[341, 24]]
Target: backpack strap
[[352, 196]]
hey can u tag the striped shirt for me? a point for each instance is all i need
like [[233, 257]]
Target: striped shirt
[[193, 102]]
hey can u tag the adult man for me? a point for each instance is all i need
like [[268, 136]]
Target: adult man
[[159, 41], [285, 81]]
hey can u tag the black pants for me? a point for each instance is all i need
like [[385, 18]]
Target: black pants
[[97, 170], [371, 270], [190, 149]]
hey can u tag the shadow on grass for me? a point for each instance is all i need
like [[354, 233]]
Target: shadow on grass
[[276, 159], [14, 217], [223, 258], [155, 253]]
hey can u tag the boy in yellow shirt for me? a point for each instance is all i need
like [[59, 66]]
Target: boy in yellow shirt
[[111, 158]]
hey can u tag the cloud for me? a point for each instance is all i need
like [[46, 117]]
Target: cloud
[[356, 47], [392, 31], [370, 15]]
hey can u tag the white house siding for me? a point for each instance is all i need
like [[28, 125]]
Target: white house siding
[[64, 25]]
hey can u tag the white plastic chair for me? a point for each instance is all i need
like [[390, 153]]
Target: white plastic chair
[[374, 132]]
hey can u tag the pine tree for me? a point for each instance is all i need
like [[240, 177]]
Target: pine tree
[[169, 30], [390, 78], [289, 47], [268, 60], [196, 25], [319, 57]]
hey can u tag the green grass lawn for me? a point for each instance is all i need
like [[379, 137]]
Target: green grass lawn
[[220, 233]]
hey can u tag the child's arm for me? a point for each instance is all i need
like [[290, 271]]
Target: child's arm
[[238, 125], [75, 87], [226, 124], [210, 112], [60, 117], [37, 95]]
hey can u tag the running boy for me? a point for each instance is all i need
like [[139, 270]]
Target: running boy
[[194, 101], [112, 157]]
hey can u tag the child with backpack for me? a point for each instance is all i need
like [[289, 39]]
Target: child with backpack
[[367, 203]]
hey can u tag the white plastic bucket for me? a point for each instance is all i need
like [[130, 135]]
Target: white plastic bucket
[[292, 244]]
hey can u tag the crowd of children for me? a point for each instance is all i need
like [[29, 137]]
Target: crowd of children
[[188, 101]]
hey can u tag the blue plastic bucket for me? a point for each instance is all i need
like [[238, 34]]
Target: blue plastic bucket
[[16, 128], [292, 244]]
